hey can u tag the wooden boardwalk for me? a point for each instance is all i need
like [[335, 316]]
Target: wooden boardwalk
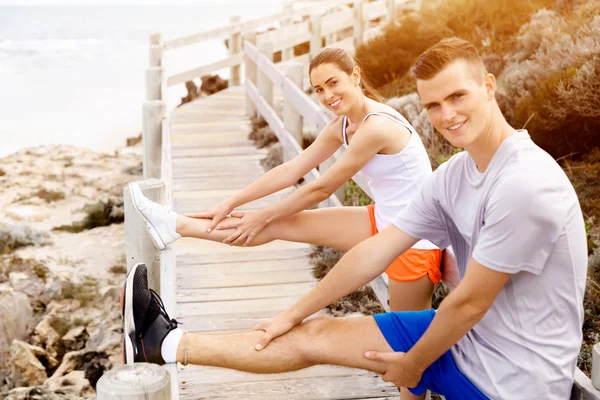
[[221, 288]]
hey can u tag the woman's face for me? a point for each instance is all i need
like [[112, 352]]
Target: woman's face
[[336, 90]]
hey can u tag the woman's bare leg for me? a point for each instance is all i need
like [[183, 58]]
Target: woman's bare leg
[[340, 228]]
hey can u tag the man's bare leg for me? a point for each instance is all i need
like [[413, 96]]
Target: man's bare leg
[[337, 341]]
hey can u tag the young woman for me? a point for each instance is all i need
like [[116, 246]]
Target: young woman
[[378, 142]]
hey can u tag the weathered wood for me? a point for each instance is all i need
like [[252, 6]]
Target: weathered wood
[[596, 366], [215, 33], [335, 22], [153, 113], [374, 10], [359, 26], [235, 47], [288, 10], [287, 36], [250, 69], [138, 245], [183, 77], [263, 83], [315, 35], [292, 119], [244, 279], [583, 389], [140, 381], [154, 79], [194, 295], [156, 48], [314, 388], [390, 11]]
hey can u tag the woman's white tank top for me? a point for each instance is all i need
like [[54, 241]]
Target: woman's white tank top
[[395, 178]]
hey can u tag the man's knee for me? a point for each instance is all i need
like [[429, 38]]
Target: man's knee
[[313, 334]]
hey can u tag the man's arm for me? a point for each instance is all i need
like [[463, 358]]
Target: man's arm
[[457, 314], [363, 263]]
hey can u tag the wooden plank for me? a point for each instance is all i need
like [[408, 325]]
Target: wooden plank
[[244, 279], [237, 307], [235, 59], [346, 44], [335, 22], [201, 375], [263, 64], [215, 33], [255, 23], [583, 388], [225, 322], [214, 258], [182, 136], [194, 267], [374, 9], [314, 388], [188, 295], [287, 36]]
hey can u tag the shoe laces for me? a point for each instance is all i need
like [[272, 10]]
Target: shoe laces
[[172, 321]]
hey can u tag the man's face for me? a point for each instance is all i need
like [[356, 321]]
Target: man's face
[[458, 102]]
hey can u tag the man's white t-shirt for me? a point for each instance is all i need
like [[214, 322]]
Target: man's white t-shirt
[[521, 216]]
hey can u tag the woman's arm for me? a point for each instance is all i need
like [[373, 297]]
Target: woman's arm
[[289, 173], [368, 140]]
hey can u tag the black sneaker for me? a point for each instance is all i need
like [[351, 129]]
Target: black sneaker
[[150, 343], [135, 300]]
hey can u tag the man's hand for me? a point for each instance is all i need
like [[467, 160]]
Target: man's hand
[[273, 328], [246, 227], [217, 214], [398, 368]]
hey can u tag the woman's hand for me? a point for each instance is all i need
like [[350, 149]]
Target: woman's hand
[[247, 226], [217, 214], [274, 328]]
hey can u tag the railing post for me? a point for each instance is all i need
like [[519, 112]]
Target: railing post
[[292, 119], [250, 70], [264, 84], [140, 381], [315, 40], [156, 50], [154, 81], [391, 11], [138, 244], [153, 113], [596, 366], [359, 27], [288, 9], [235, 46]]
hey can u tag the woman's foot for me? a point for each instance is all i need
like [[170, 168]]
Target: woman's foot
[[160, 220]]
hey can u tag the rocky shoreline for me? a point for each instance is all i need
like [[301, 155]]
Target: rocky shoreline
[[61, 264]]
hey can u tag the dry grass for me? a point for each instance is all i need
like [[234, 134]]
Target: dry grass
[[14, 236], [102, 213]]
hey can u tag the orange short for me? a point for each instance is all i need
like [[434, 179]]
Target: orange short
[[413, 264]]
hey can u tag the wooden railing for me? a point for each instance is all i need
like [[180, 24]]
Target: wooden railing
[[262, 77]]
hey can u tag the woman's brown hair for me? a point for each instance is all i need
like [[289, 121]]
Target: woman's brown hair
[[346, 63]]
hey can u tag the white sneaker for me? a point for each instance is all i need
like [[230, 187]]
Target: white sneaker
[[160, 220]]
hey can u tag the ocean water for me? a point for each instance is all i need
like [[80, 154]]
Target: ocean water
[[76, 74]]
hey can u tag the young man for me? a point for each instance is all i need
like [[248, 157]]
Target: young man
[[512, 327]]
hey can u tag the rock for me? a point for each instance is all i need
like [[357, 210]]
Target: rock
[[38, 393], [70, 362], [132, 141], [213, 84], [192, 92], [73, 383], [25, 283], [44, 335], [27, 370], [110, 295], [136, 169], [16, 317], [75, 339], [26, 213], [103, 338], [15, 236], [52, 289]]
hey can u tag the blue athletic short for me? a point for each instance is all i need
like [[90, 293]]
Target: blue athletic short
[[402, 330]]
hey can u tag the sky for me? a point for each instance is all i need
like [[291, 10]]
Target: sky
[[122, 2]]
